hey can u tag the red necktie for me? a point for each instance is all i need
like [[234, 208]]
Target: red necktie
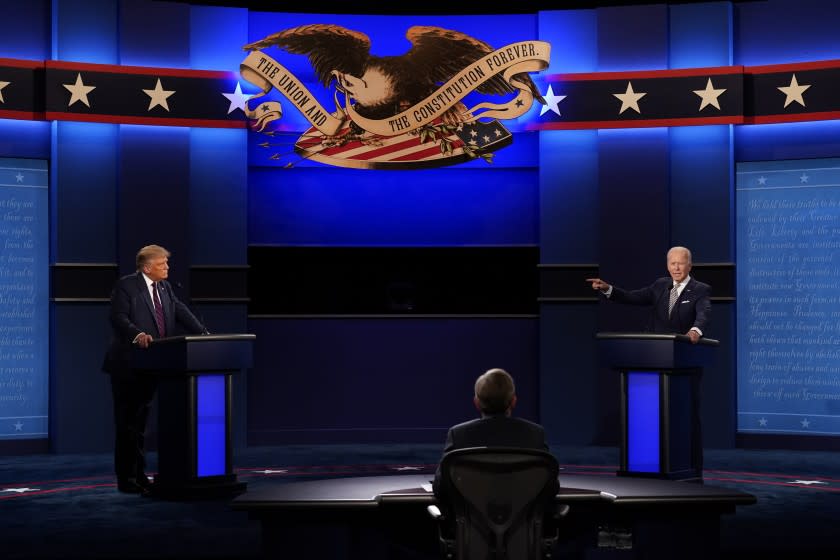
[[161, 324]]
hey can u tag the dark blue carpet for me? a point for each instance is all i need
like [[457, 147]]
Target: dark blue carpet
[[67, 506]]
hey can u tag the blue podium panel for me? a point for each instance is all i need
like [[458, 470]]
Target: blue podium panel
[[643, 389], [211, 425]]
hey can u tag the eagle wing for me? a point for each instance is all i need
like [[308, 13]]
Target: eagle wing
[[441, 53], [328, 47]]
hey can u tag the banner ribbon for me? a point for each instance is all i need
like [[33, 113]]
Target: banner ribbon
[[266, 73]]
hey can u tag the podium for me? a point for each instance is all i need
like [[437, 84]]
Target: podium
[[195, 376], [660, 401]]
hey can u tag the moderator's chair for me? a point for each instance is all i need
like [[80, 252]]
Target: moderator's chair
[[497, 504]]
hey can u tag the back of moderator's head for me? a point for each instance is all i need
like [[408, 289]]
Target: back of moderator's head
[[494, 390]]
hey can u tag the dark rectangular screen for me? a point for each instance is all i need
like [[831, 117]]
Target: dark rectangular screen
[[395, 280]]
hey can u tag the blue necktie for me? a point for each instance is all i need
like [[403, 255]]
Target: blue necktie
[[161, 324]]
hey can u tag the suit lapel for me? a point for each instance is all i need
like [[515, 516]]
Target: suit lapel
[[144, 293], [665, 296], [688, 292], [166, 303]]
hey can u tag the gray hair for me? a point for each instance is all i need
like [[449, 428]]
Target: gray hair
[[495, 391], [679, 248]]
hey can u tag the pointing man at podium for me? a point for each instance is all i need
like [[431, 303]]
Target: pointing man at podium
[[143, 308], [679, 303]]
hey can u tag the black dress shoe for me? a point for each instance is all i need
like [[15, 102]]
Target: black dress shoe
[[130, 486], [144, 482]]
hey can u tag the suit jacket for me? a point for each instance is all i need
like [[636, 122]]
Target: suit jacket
[[133, 312], [497, 430], [692, 309]]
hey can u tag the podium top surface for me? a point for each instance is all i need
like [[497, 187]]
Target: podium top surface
[[195, 353], [654, 336], [655, 351], [203, 338]]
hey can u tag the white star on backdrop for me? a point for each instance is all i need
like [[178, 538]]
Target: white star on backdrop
[[2, 85], [803, 178], [762, 421], [551, 102], [807, 482], [20, 490], [794, 92], [805, 423], [158, 96], [629, 99], [18, 426], [237, 99], [407, 468], [79, 91], [709, 96], [19, 177], [762, 180]]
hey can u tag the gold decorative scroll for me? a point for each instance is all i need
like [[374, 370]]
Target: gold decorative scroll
[[527, 56], [264, 72]]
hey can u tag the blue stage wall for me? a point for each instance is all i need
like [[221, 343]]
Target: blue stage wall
[[612, 199], [441, 207], [644, 188], [115, 187], [380, 379]]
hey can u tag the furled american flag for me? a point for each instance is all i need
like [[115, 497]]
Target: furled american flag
[[435, 145]]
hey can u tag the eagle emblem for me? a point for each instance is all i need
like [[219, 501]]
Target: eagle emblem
[[403, 111]]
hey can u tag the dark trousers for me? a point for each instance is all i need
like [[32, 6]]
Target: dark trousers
[[133, 396], [696, 426]]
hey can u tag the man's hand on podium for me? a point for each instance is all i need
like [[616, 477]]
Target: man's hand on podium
[[598, 284], [143, 340], [693, 335]]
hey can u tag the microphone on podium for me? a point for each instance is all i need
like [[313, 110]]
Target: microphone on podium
[[190, 306]]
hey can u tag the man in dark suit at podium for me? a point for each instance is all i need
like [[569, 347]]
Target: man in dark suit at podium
[[143, 308], [679, 303], [495, 399]]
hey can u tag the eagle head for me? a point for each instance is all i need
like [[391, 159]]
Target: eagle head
[[372, 90]]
